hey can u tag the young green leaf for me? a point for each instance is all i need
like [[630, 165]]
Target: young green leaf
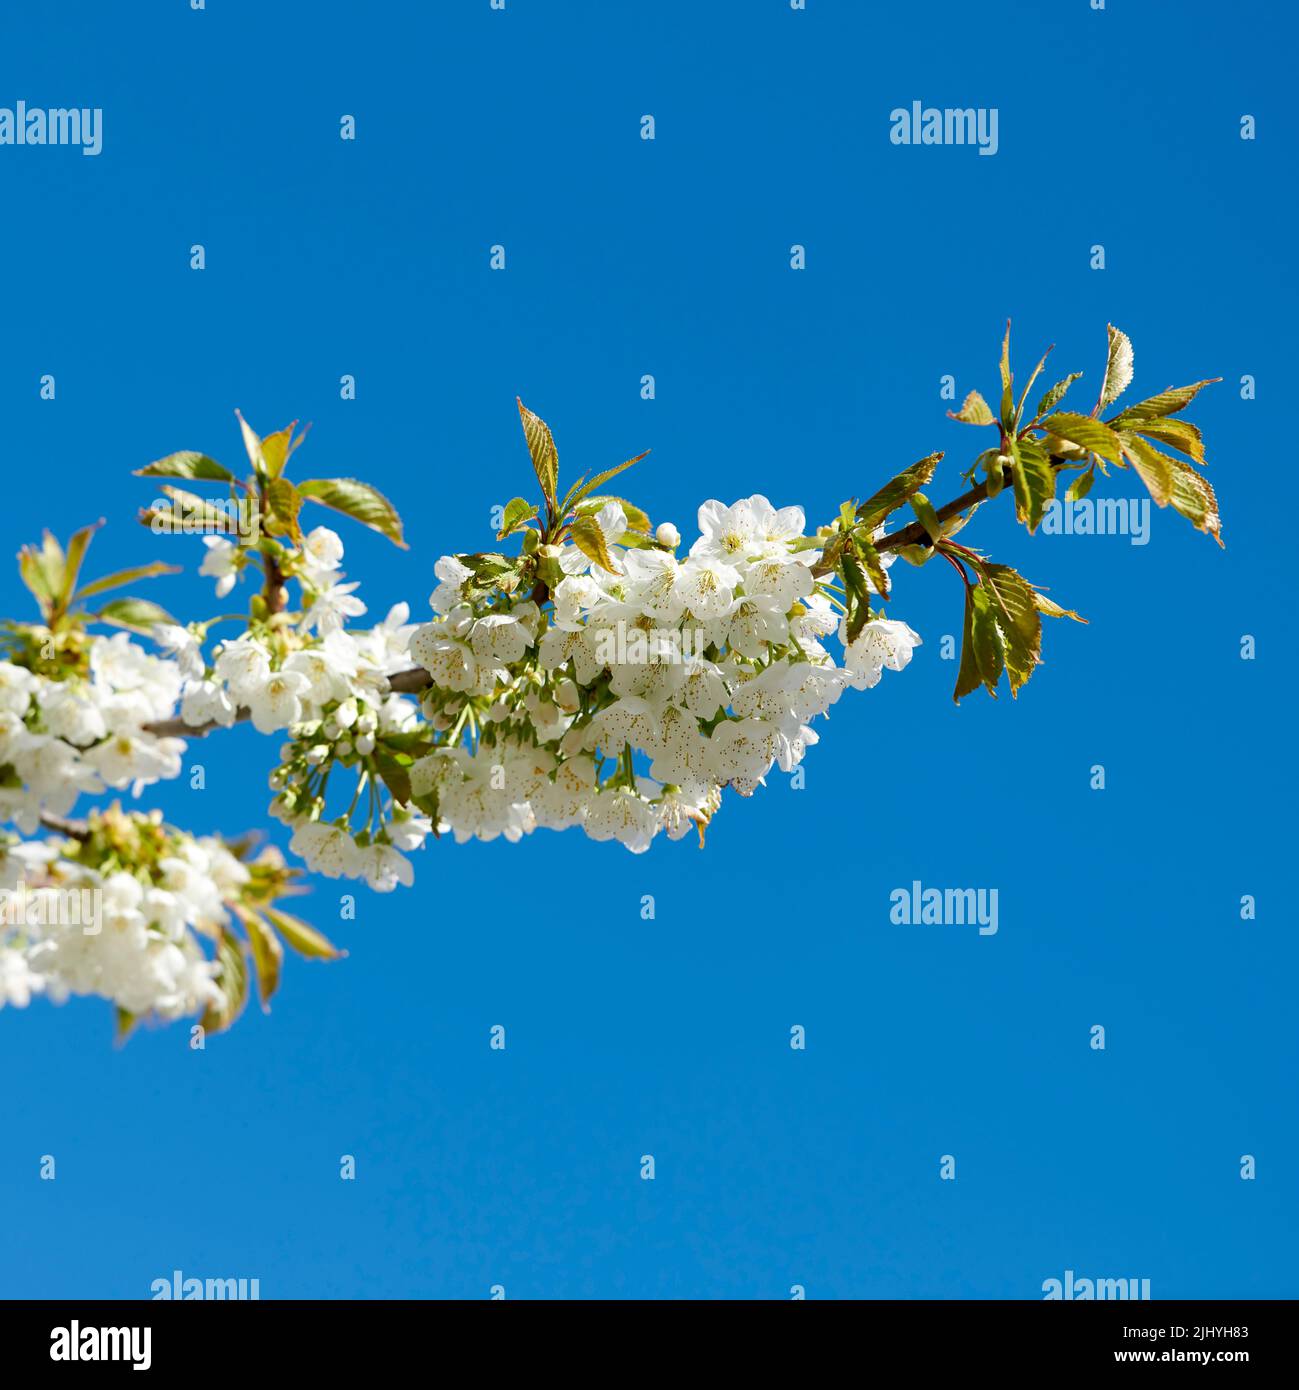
[[637, 519], [589, 539], [123, 577], [582, 490], [1181, 434], [395, 774], [1028, 386], [1007, 385], [1086, 433], [285, 503], [1165, 403], [989, 650], [233, 981], [896, 491], [1118, 367], [518, 511], [926, 516], [304, 939], [974, 411], [358, 500], [267, 953], [967, 677], [277, 447], [1055, 395], [545, 457], [1081, 485], [1034, 480], [134, 615], [187, 464]]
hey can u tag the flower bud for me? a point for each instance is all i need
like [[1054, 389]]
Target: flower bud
[[668, 535], [567, 696], [318, 754], [365, 745]]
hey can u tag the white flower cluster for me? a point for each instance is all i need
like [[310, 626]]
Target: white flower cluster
[[83, 732], [122, 934], [643, 690]]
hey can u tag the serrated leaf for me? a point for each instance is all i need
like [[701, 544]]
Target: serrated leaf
[[1082, 430], [134, 615], [1165, 403], [518, 510], [589, 539], [871, 562], [1019, 620], [233, 982], [1056, 394], [285, 503], [1007, 385], [304, 939], [1118, 367], [1028, 385], [187, 464], [1052, 609], [1034, 482], [989, 650], [1181, 434], [974, 411], [896, 491], [545, 457], [585, 488], [116, 581], [252, 444], [358, 500], [1171, 481]]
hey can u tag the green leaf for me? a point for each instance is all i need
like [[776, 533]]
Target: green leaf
[[198, 513], [304, 939], [276, 449], [358, 500], [967, 677], [974, 411], [125, 1023], [1018, 619], [252, 445], [134, 615], [926, 516], [1034, 480], [1081, 485], [187, 464], [233, 982], [582, 490], [636, 518], [116, 581], [589, 539], [1118, 367], [395, 774], [518, 510], [1181, 434], [545, 457], [1007, 385], [268, 954], [35, 573], [1165, 403], [871, 562], [77, 547], [1085, 432], [896, 491], [285, 503], [989, 650], [1056, 394], [1170, 480], [1028, 386], [1052, 609]]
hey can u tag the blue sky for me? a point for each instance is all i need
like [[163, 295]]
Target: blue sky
[[624, 257]]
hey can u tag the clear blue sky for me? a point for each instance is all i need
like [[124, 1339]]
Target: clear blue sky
[[627, 257]]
